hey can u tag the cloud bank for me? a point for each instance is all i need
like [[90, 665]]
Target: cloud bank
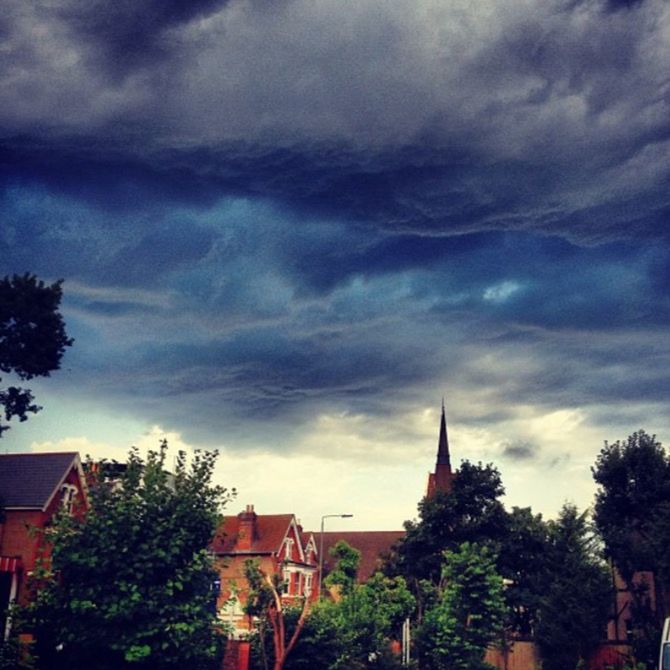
[[269, 214]]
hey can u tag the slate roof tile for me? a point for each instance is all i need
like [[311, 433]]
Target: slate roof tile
[[28, 480]]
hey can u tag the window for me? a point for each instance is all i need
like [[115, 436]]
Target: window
[[288, 551], [68, 494], [308, 584]]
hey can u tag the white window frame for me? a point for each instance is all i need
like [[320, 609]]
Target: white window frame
[[68, 495]]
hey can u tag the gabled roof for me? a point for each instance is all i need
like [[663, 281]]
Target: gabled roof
[[271, 529], [29, 481], [307, 538], [373, 545]]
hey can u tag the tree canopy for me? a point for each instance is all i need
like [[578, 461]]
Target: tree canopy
[[32, 339], [522, 561], [632, 500], [632, 514], [575, 600], [470, 512], [130, 584], [468, 615], [352, 631]]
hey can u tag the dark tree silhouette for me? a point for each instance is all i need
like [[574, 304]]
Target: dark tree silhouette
[[32, 339]]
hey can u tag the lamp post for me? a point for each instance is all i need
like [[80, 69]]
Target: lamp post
[[323, 518]]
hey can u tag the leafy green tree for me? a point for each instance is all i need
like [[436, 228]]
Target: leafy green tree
[[632, 501], [32, 339], [470, 512], [469, 614], [343, 575], [369, 617], [575, 602], [265, 602], [352, 632], [130, 585], [632, 514], [522, 562]]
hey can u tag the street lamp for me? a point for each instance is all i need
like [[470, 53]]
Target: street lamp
[[323, 518]]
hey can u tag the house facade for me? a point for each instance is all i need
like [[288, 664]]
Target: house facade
[[33, 488], [279, 546]]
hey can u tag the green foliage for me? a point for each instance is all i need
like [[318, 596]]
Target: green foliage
[[574, 605], [368, 618], [343, 575], [633, 502], [260, 595], [522, 562], [32, 339], [352, 633], [264, 601], [130, 585], [468, 615], [471, 512], [632, 513]]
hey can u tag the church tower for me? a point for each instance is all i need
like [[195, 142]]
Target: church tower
[[441, 480]]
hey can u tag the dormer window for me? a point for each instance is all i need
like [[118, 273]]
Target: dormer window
[[68, 495], [288, 549]]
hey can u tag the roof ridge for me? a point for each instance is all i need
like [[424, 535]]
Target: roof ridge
[[41, 453]]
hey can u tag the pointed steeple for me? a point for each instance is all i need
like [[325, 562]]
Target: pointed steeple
[[443, 442], [443, 477]]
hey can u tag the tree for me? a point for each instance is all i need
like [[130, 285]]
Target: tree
[[265, 602], [470, 512], [369, 617], [131, 583], [468, 615], [633, 477], [343, 575], [632, 514], [522, 562], [574, 605], [32, 339], [354, 631]]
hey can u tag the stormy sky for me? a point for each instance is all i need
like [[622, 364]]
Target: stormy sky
[[288, 228]]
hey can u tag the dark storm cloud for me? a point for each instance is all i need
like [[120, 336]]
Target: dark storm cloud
[[615, 5], [425, 194], [267, 210], [520, 451], [547, 117], [176, 244], [128, 33]]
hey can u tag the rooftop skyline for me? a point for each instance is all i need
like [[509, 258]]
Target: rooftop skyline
[[288, 229]]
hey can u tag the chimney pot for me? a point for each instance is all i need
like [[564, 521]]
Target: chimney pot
[[247, 529]]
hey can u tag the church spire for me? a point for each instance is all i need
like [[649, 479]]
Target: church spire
[[441, 480], [443, 442]]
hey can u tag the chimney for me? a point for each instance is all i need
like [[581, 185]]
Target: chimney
[[247, 529]]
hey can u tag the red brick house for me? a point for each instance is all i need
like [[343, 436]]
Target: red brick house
[[33, 487], [278, 544]]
